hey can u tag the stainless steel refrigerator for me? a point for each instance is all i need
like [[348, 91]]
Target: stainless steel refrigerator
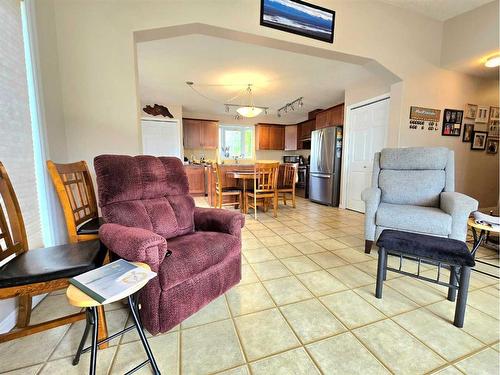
[[326, 154]]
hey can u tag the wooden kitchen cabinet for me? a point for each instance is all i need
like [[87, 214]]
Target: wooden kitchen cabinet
[[333, 116], [200, 133], [305, 128], [196, 179], [291, 137], [269, 137]]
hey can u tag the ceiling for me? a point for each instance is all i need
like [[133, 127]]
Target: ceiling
[[440, 10], [222, 68]]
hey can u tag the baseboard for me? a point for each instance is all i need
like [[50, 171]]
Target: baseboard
[[9, 322]]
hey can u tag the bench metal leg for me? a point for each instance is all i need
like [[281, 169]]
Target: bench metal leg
[[452, 293], [93, 352], [462, 296], [88, 324], [381, 271]]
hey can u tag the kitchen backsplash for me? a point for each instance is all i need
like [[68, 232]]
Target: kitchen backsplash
[[260, 154]]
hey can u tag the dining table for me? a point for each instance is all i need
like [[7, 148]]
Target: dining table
[[244, 176]]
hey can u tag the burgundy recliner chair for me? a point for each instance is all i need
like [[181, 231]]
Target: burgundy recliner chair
[[148, 211]]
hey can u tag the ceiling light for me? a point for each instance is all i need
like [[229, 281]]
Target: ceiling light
[[493, 61], [249, 111]]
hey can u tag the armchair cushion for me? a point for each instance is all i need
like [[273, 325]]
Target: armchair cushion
[[134, 244], [217, 220], [414, 219], [458, 206], [194, 253], [371, 197]]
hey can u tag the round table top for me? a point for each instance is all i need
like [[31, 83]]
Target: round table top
[[472, 223], [79, 299], [244, 175]]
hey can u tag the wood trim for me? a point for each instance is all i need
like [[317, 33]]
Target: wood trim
[[199, 119]]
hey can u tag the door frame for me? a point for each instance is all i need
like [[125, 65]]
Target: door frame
[[345, 143]]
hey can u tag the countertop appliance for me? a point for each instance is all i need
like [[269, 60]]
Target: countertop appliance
[[326, 154], [299, 159]]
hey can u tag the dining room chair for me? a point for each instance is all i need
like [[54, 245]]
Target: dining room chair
[[264, 187], [26, 273], [286, 181], [74, 187], [222, 191]]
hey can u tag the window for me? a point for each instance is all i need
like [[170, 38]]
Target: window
[[236, 142]]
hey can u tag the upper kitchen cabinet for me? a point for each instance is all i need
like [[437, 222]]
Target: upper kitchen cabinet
[[269, 137], [291, 137], [200, 133], [330, 117], [304, 129]]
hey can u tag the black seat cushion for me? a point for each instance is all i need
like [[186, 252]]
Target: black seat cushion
[[439, 249], [52, 263], [231, 189], [90, 227]]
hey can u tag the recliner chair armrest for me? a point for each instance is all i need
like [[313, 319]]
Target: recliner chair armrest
[[218, 220], [454, 203], [371, 195], [134, 244]]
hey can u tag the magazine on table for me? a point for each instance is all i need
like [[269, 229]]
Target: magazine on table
[[113, 281], [488, 220]]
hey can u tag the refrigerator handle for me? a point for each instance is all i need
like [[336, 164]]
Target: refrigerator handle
[[318, 158]]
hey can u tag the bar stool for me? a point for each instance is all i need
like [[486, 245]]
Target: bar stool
[[79, 299]]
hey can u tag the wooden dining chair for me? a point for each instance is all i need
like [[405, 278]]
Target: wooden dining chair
[[222, 191], [286, 181], [264, 188], [25, 274], [75, 190]]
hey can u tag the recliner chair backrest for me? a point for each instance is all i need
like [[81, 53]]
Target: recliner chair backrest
[[415, 175], [145, 192]]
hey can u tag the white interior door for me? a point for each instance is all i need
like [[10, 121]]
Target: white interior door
[[367, 135]]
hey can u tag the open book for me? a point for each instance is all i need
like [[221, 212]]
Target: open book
[[488, 220], [113, 281]]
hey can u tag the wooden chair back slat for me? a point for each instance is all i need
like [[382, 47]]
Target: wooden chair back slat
[[75, 190], [218, 177], [266, 177], [288, 175], [13, 239]]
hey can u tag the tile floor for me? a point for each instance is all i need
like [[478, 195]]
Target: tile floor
[[305, 305]]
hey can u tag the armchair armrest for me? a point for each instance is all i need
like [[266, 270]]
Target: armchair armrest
[[371, 197], [134, 244], [217, 220], [458, 206]]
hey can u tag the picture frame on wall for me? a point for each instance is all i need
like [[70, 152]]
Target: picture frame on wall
[[482, 114], [468, 130], [494, 130], [494, 115], [452, 122], [478, 140], [298, 17], [471, 111], [492, 146]]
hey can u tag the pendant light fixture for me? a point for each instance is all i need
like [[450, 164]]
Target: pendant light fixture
[[250, 110]]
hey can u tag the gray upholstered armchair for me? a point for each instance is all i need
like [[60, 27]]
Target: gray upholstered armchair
[[413, 189]]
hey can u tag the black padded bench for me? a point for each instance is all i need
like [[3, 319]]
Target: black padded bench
[[438, 251]]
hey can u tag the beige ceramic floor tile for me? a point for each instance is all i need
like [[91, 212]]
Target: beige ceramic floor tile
[[273, 240], [270, 270], [308, 247], [450, 370], [351, 276], [13, 354], [417, 291], [351, 309], [485, 362], [261, 233], [315, 236], [287, 290], [251, 243], [444, 338], [351, 241], [210, 348], [65, 366], [300, 264], [244, 299], [321, 283], [397, 349], [214, 311], [242, 370], [296, 238], [331, 244], [391, 303], [264, 333], [284, 251], [477, 323], [352, 256], [52, 307], [311, 321], [291, 362], [344, 354], [370, 268], [115, 319], [327, 259], [485, 302], [285, 231], [258, 255], [31, 370]]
